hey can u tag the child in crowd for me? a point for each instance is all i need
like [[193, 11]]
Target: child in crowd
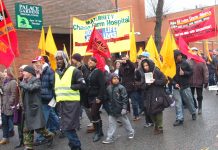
[[117, 109]]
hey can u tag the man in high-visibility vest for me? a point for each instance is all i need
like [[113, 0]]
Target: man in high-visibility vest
[[68, 82]]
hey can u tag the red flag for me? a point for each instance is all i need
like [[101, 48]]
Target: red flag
[[98, 45], [6, 54], [7, 23], [100, 61], [185, 50]]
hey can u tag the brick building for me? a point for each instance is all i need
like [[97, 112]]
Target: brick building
[[57, 14]]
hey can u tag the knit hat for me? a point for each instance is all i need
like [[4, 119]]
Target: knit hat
[[93, 59], [30, 69], [77, 57], [113, 75]]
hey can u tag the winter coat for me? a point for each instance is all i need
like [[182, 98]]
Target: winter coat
[[117, 99], [96, 85], [32, 105], [183, 80], [200, 74], [155, 90], [47, 84], [126, 73], [69, 111], [9, 97]]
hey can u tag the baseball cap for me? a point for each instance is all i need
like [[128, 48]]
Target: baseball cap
[[145, 54], [38, 58], [194, 49]]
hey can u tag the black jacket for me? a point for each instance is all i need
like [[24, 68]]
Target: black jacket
[[155, 90], [96, 84], [184, 80], [117, 99], [126, 73]]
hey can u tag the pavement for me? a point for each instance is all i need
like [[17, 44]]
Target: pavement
[[201, 134]]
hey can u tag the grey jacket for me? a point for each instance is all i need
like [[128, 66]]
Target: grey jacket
[[33, 114], [9, 97]]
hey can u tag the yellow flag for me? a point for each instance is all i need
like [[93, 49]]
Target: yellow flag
[[152, 49], [65, 50], [50, 46], [41, 45], [167, 52], [174, 45], [133, 51], [206, 51], [140, 51]]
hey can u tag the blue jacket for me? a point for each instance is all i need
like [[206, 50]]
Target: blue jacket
[[47, 85]]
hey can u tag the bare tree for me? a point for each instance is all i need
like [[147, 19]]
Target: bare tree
[[158, 25]]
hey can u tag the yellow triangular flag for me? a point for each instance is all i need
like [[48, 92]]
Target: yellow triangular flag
[[167, 52], [207, 50], [51, 48], [152, 49], [140, 51], [133, 51], [65, 50], [41, 45], [50, 45], [174, 45]]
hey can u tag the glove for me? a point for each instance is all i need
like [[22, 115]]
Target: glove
[[123, 112], [205, 85]]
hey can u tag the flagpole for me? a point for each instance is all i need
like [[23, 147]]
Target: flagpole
[[70, 39], [9, 41]]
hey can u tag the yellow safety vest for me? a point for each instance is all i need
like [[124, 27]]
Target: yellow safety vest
[[63, 89]]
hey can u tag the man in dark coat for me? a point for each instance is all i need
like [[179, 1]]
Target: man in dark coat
[[68, 82], [198, 80], [32, 107], [182, 89]]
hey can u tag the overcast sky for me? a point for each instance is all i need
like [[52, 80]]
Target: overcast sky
[[180, 5]]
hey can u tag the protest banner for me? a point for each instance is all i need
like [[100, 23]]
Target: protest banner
[[195, 27], [114, 27]]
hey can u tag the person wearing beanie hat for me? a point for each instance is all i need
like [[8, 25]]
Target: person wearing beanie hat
[[30, 70], [182, 89], [117, 100], [33, 116]]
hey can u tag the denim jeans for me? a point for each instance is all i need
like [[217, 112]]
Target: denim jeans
[[186, 95], [5, 124], [74, 142], [51, 118], [137, 103]]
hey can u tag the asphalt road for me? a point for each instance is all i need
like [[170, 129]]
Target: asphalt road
[[201, 134]]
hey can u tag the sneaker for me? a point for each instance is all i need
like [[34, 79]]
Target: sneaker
[[107, 141], [178, 123], [148, 125], [194, 117], [199, 111], [131, 135], [90, 125]]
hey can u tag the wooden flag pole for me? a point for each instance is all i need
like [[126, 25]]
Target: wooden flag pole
[[9, 41]]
